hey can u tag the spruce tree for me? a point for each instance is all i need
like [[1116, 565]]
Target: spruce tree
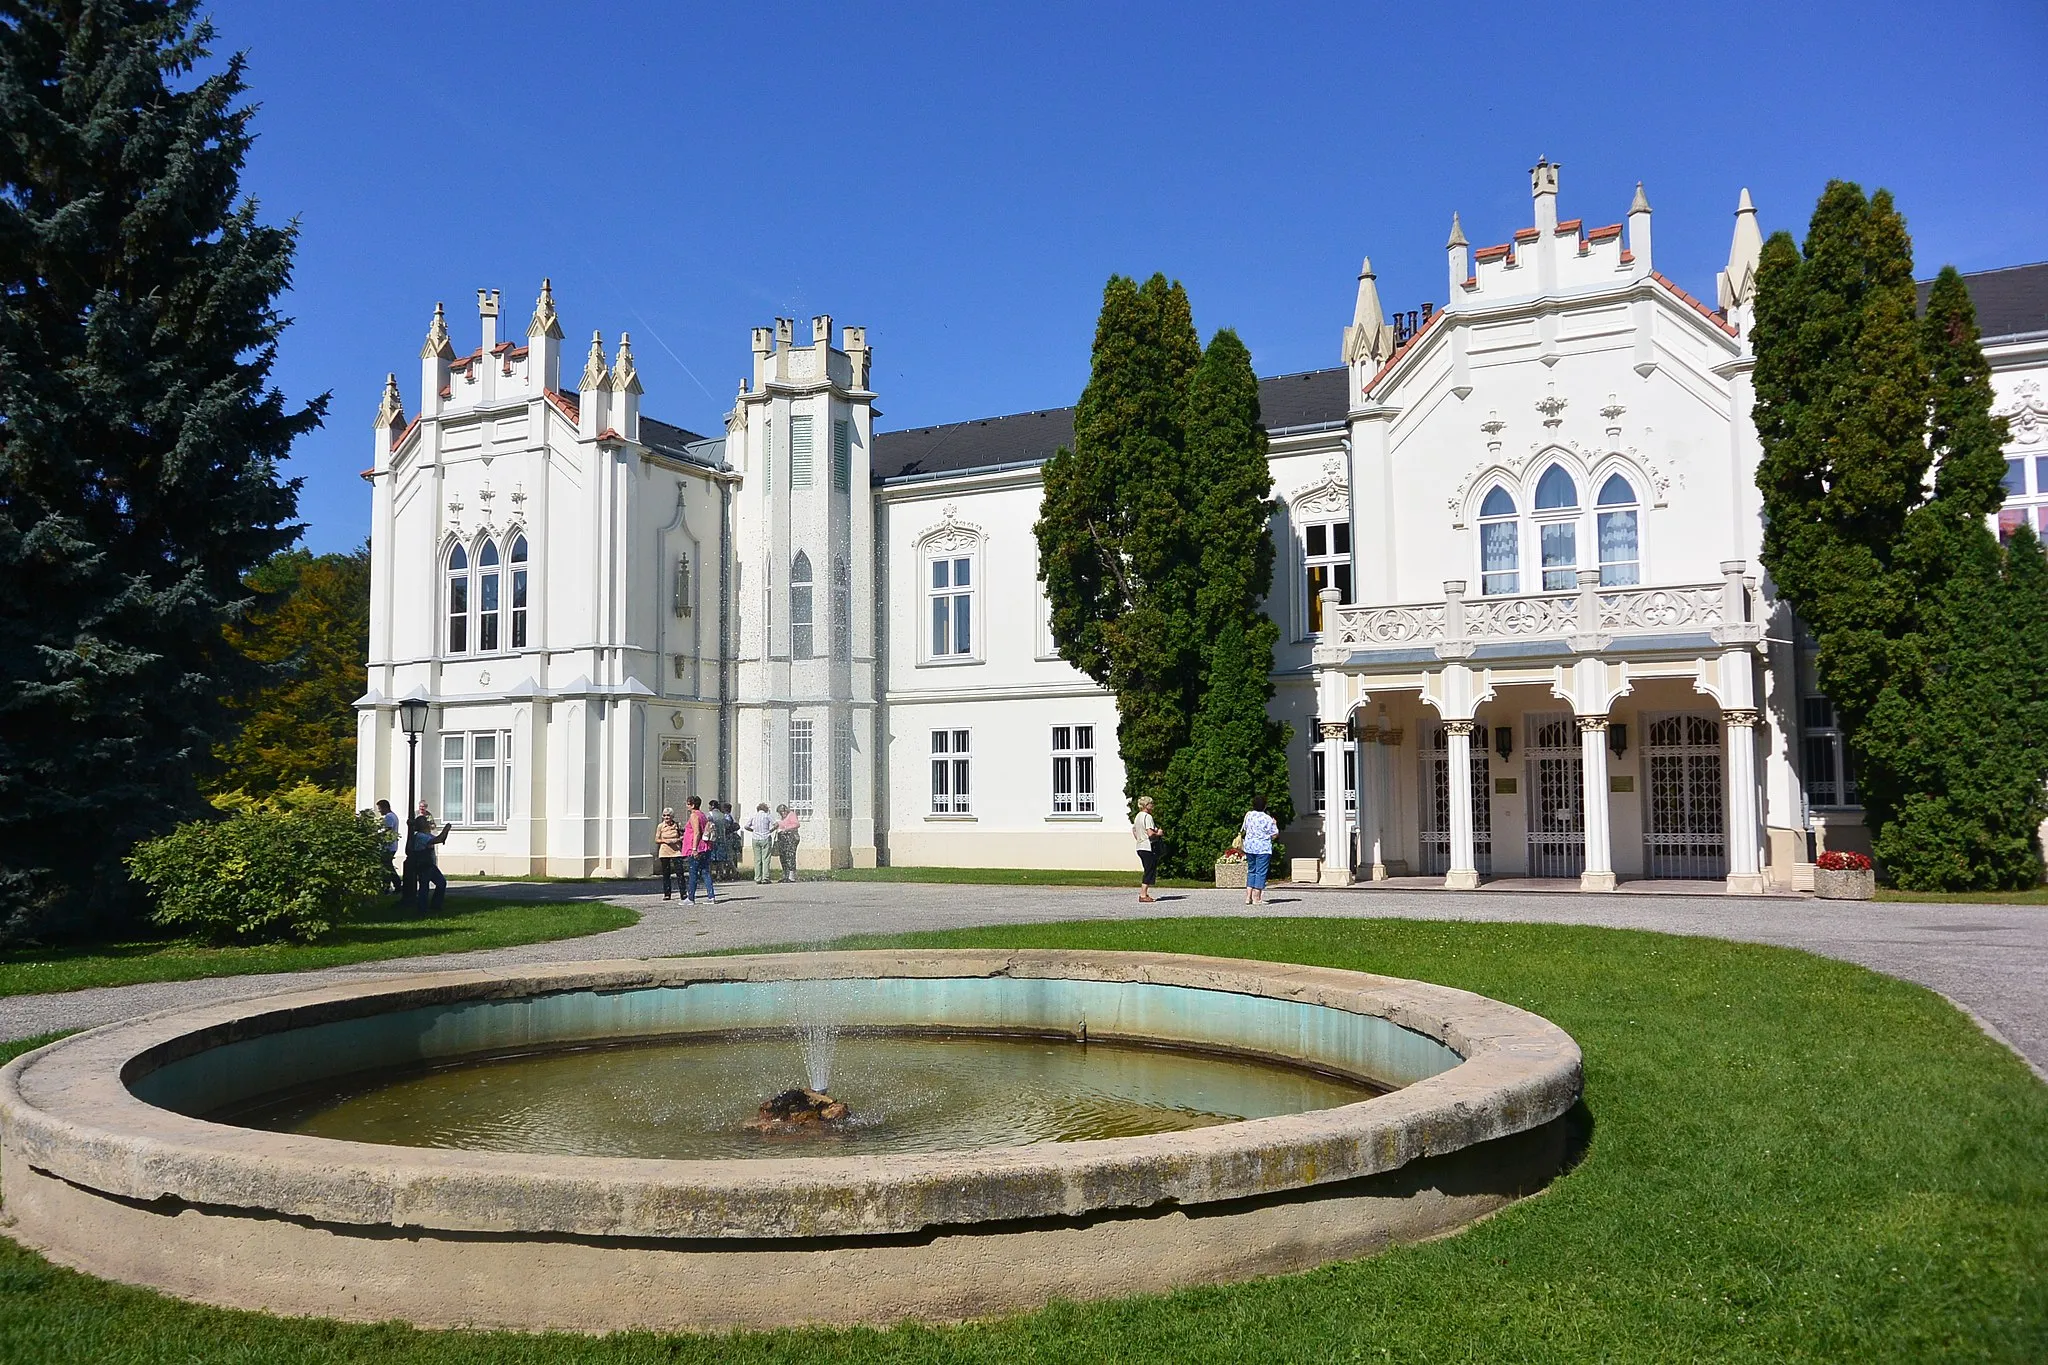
[[1115, 545], [139, 436], [1235, 750]]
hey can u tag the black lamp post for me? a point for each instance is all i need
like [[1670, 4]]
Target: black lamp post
[[412, 718]]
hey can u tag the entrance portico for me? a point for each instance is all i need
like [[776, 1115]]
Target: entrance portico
[[1603, 734]]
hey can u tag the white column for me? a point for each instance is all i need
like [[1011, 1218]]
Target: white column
[[1336, 736], [1464, 873], [1372, 803], [1745, 857], [1599, 872]]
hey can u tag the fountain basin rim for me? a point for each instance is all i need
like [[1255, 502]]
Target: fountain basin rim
[[66, 1110]]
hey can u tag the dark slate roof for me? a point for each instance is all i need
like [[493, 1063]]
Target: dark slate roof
[[2010, 301], [1317, 398], [668, 438]]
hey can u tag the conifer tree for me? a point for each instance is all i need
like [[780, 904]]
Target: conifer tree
[[139, 435], [1115, 546], [1235, 750]]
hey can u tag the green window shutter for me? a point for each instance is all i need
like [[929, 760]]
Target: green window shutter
[[800, 452], [842, 456]]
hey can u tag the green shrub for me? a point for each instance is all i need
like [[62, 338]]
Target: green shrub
[[291, 867]]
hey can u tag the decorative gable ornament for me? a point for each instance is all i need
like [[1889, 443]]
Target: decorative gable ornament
[[545, 323], [951, 534], [391, 411], [1329, 496], [595, 375], [2025, 414]]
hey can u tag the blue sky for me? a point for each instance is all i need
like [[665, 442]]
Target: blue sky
[[962, 179]]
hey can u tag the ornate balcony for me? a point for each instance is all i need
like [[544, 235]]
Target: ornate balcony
[[1587, 621]]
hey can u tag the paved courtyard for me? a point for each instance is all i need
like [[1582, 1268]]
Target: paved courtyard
[[1990, 959]]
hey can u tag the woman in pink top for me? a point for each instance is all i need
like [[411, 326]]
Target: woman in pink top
[[785, 841], [697, 853]]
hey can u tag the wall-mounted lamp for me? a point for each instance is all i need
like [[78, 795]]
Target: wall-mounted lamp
[[1617, 739], [1504, 741]]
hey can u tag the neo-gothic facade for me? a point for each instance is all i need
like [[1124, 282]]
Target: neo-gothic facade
[[1523, 628]]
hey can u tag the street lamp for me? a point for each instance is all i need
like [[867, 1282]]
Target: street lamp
[[412, 718]]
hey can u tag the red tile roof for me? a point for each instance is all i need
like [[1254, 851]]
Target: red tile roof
[[1406, 346], [1569, 225], [566, 403], [1495, 253], [1718, 319], [1601, 234], [1526, 234]]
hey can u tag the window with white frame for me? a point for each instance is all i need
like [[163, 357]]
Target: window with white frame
[[1557, 529], [842, 456], [801, 635], [952, 606], [1830, 774], [1500, 544], [1317, 778], [1073, 770], [476, 777], [458, 600], [1326, 563], [517, 560], [1617, 531], [952, 772], [2026, 497], [799, 451], [802, 773], [487, 602]]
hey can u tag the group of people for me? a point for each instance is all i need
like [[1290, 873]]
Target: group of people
[[705, 844], [1254, 840], [421, 872]]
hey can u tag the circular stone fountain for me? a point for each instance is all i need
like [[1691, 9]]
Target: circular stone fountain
[[127, 1151]]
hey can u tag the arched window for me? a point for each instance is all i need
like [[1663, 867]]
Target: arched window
[[801, 641], [518, 561], [1557, 528], [1500, 551], [1616, 528], [842, 609], [458, 600], [487, 597]]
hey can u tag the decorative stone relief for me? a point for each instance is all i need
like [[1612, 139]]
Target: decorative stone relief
[[1329, 496], [1552, 408], [951, 533], [2025, 414]]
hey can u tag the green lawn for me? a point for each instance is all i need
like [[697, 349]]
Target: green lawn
[[2033, 895], [465, 922], [1003, 876], [1791, 1159]]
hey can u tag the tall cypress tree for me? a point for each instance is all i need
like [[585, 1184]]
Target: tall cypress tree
[[1925, 625], [139, 435], [1235, 750], [1114, 538]]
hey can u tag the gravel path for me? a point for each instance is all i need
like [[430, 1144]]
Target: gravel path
[[1990, 959]]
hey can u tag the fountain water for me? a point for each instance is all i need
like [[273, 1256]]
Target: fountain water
[[817, 1031]]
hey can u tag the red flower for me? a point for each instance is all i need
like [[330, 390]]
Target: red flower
[[1843, 862]]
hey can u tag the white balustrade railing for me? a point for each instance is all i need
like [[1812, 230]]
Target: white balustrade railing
[[1591, 618]]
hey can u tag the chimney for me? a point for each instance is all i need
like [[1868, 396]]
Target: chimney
[[592, 409], [434, 358], [1461, 258], [1543, 188], [626, 391], [821, 330], [1639, 231], [856, 348], [544, 342], [487, 309]]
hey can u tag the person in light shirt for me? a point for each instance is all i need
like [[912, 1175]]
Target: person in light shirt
[[761, 830], [1260, 829], [1145, 834]]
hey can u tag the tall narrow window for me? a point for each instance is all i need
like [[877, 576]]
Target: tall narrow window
[[1830, 780], [458, 600], [1073, 770], [1558, 534], [842, 608], [518, 560], [455, 779], [800, 625], [800, 451], [487, 597], [1500, 544], [842, 456], [483, 789], [1615, 524], [952, 607], [842, 766], [1326, 559], [802, 788], [952, 758]]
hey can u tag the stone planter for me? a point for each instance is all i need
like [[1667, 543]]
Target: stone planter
[[1842, 884], [1230, 872]]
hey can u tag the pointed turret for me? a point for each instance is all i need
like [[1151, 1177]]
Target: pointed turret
[[389, 423], [1736, 286], [591, 412], [1461, 257], [1368, 341], [544, 342], [1639, 232], [435, 354], [626, 391]]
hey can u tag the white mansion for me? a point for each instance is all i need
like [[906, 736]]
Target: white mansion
[[1523, 627]]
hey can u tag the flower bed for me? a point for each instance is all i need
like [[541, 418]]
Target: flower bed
[[1844, 876]]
